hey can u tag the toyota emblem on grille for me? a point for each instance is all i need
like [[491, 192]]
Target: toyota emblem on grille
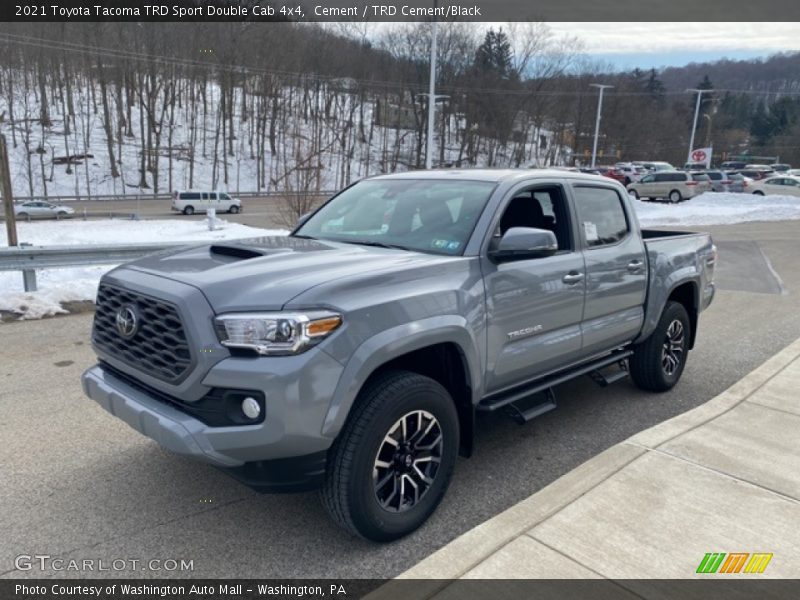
[[127, 321]]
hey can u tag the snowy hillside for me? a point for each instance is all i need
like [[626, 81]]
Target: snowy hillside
[[294, 141]]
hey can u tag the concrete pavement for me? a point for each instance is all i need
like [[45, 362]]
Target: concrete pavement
[[723, 477]]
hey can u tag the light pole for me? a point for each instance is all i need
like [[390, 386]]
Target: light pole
[[694, 124], [431, 94], [602, 88]]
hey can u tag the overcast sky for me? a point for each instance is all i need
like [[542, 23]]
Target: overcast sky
[[661, 44]]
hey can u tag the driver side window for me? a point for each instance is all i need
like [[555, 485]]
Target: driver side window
[[539, 208]]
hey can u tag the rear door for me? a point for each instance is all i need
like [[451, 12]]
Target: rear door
[[616, 268]]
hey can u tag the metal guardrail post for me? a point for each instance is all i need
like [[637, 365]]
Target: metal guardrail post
[[29, 280]]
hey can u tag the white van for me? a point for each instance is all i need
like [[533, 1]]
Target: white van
[[189, 202]]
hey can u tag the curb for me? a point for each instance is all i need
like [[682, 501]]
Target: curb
[[471, 548]]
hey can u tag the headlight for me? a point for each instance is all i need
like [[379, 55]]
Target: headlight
[[276, 333]]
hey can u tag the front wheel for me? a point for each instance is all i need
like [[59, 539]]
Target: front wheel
[[233, 209], [658, 362], [758, 193], [392, 463]]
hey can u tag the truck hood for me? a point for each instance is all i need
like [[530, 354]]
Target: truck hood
[[266, 273]]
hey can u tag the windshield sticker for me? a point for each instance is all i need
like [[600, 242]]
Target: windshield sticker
[[445, 244]]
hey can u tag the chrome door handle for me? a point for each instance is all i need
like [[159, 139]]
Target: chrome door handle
[[572, 278], [635, 266]]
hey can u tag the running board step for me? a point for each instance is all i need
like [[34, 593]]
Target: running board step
[[521, 393], [526, 410], [604, 380]]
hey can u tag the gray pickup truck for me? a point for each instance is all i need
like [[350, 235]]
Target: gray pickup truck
[[354, 354]]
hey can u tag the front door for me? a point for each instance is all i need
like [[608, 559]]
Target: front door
[[534, 306]]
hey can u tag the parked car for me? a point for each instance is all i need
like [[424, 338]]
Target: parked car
[[611, 173], [694, 166], [42, 210], [672, 185], [793, 172], [631, 172], [654, 165], [190, 201], [719, 180], [732, 165], [354, 354], [780, 167], [755, 174], [782, 185], [737, 182]]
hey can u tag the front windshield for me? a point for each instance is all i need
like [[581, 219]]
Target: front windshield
[[418, 214]]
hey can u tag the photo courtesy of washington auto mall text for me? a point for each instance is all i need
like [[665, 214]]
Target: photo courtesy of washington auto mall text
[[409, 300]]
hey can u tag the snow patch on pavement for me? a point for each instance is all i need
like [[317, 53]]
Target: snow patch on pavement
[[76, 284]]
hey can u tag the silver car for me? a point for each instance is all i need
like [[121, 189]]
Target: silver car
[[42, 210]]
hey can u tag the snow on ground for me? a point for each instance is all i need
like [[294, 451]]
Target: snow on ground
[[719, 208], [57, 286]]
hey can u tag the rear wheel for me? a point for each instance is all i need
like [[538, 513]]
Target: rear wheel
[[758, 193], [675, 196], [392, 463], [658, 362], [633, 193], [189, 210]]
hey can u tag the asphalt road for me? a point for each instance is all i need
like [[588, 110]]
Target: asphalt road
[[78, 484], [267, 212]]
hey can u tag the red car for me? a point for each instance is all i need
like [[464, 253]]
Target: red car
[[612, 173]]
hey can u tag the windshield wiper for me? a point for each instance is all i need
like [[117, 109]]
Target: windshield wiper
[[375, 244], [304, 237]]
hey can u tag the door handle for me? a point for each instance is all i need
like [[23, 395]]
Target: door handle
[[572, 278], [635, 266]]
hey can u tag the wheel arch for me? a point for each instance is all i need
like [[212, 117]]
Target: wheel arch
[[688, 295], [447, 354]]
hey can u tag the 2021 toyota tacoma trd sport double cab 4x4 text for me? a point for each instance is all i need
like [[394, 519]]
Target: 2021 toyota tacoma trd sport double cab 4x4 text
[[354, 354]]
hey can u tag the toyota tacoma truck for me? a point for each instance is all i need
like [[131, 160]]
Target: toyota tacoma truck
[[355, 354]]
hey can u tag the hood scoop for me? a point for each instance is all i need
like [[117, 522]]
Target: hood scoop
[[241, 252]]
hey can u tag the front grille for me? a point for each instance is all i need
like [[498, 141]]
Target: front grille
[[158, 345]]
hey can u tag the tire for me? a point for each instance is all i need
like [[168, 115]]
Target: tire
[[649, 199], [188, 210], [23, 215], [351, 495], [758, 193], [633, 193], [655, 368], [675, 196], [233, 210]]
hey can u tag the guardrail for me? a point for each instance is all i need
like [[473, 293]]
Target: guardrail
[[148, 197], [29, 258]]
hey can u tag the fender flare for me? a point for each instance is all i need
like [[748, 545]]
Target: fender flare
[[393, 343]]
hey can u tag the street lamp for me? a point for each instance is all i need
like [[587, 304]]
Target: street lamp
[[602, 88], [694, 124], [431, 94]]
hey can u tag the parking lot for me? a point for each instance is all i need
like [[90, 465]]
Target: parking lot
[[77, 483]]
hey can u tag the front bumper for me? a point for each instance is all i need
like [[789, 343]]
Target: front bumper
[[286, 452]]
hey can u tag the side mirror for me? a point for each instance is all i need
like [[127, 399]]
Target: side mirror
[[520, 243], [302, 219]]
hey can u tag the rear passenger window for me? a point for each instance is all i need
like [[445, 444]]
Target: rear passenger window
[[190, 196], [601, 215]]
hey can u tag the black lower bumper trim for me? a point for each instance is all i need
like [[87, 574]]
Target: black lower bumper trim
[[282, 475]]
